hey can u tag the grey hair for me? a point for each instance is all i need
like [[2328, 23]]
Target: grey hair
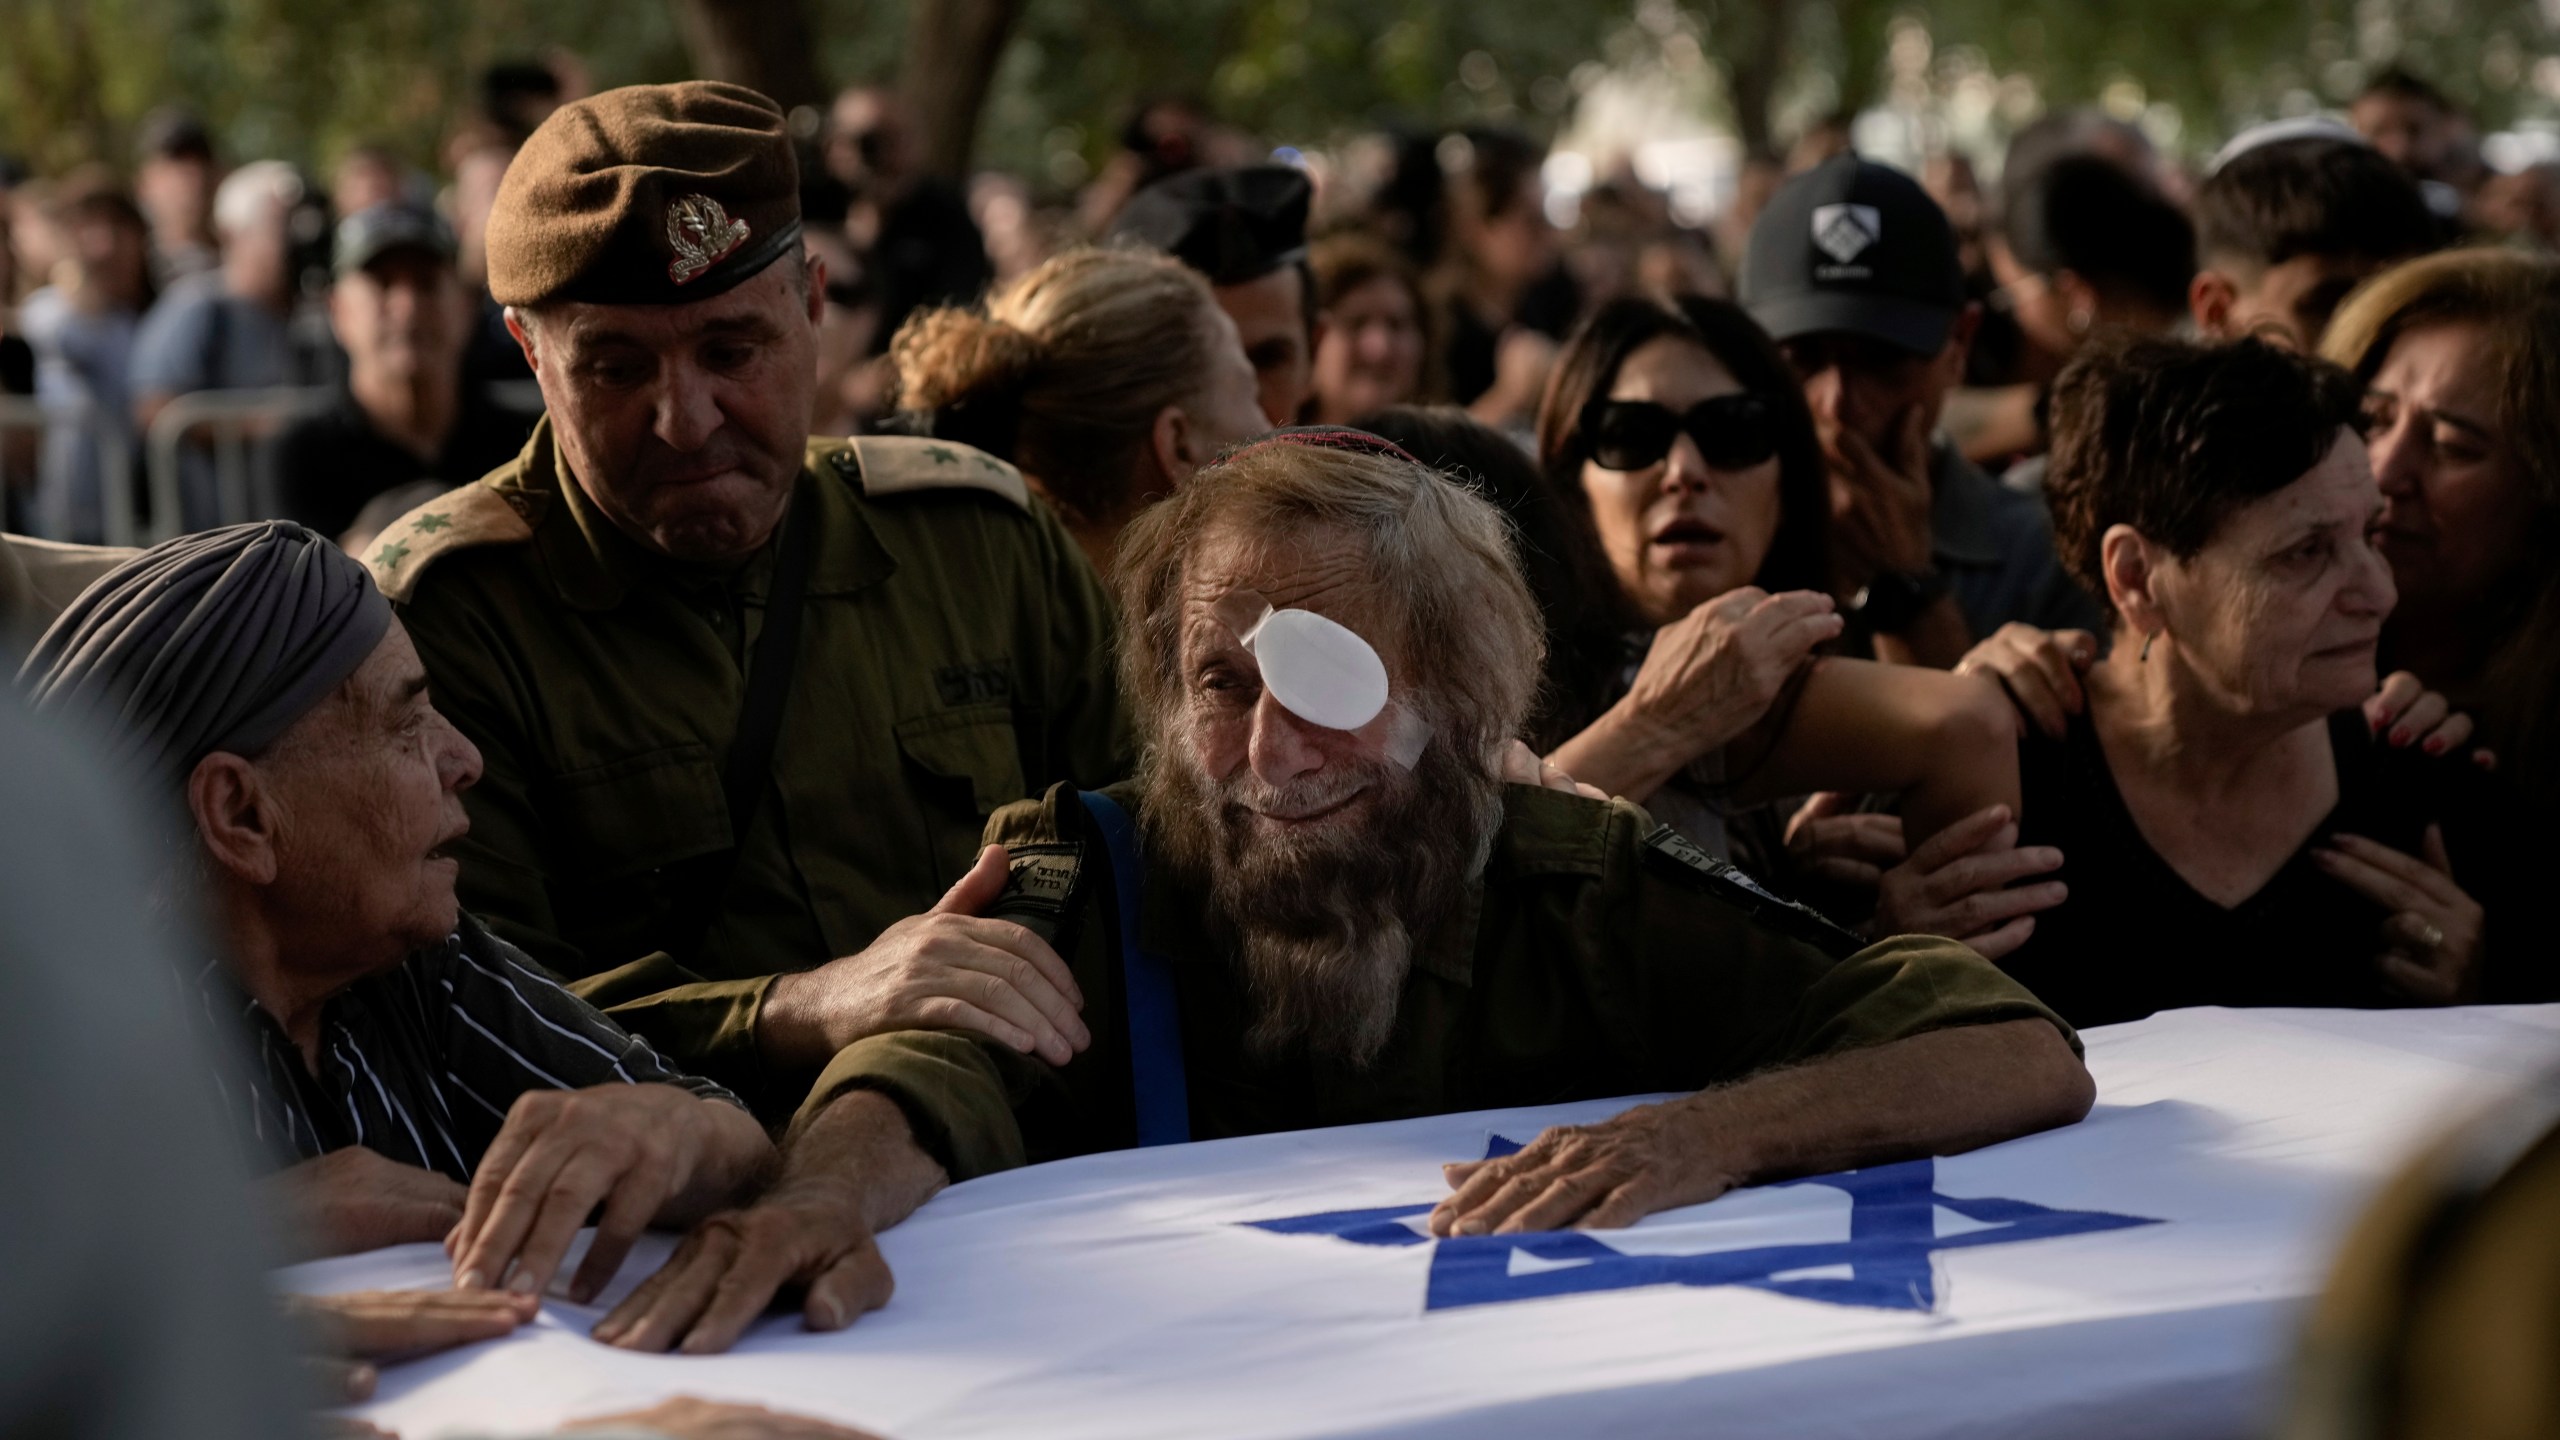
[[248, 195], [1442, 559]]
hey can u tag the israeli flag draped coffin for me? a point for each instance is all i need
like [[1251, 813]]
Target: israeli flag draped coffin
[[2141, 1273]]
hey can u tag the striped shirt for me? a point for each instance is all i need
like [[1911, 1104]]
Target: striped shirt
[[421, 1063]]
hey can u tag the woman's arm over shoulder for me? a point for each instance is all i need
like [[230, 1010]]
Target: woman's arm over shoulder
[[1946, 742]]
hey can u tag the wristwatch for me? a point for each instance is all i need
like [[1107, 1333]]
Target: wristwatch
[[1892, 601]]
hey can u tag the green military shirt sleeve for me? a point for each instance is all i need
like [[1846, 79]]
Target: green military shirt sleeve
[[480, 681], [965, 1096], [712, 1021], [1897, 988], [1698, 993], [956, 653], [959, 1093]]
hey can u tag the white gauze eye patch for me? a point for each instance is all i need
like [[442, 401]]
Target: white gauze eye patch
[[1321, 671]]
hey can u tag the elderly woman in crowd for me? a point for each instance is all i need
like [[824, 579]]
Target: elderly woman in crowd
[[2235, 834], [426, 1082], [1107, 376], [2460, 358], [1684, 440]]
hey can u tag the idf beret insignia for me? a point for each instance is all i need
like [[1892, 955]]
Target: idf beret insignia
[[702, 235], [646, 195]]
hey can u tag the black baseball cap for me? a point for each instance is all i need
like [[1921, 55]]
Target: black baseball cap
[[1854, 246], [377, 230], [1230, 225]]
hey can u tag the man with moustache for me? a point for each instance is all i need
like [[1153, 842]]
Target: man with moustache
[[1326, 899], [746, 698], [412, 1076]]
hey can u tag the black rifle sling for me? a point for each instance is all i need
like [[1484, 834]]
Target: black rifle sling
[[748, 771]]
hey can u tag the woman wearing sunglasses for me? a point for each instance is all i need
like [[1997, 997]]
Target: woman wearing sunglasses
[[1683, 437]]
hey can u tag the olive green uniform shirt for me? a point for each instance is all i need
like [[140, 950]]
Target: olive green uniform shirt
[[1583, 965], [954, 656]]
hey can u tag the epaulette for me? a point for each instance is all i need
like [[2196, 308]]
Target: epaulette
[[1044, 891], [896, 464], [474, 514], [1690, 865]]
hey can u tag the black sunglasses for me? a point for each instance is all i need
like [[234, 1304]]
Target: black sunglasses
[[1733, 432]]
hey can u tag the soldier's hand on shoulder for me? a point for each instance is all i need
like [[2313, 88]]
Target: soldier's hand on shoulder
[[950, 968]]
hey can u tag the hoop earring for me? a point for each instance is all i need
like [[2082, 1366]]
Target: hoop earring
[[2145, 656]]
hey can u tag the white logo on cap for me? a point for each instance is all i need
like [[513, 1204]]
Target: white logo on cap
[[1844, 232], [701, 233]]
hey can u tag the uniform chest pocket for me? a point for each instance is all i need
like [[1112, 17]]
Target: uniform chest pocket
[[639, 813], [969, 744]]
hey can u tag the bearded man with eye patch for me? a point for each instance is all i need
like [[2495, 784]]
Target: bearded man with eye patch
[[1338, 892]]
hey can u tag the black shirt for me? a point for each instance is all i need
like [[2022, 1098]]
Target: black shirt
[[328, 464], [420, 1064], [17, 366], [2134, 937]]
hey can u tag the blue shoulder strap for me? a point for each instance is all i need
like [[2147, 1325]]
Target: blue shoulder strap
[[1155, 1019]]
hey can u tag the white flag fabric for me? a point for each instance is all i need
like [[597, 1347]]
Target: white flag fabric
[[2138, 1274]]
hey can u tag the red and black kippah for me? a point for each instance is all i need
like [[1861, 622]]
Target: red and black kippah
[[1322, 437]]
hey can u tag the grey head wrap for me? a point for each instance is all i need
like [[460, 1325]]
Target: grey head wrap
[[214, 641]]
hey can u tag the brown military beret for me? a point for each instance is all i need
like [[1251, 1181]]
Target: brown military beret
[[647, 195]]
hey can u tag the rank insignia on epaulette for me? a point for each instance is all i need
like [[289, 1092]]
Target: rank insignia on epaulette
[[1043, 890], [1685, 860]]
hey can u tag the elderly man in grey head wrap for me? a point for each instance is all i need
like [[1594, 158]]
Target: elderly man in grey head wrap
[[422, 1079]]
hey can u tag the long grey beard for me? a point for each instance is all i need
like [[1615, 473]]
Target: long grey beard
[[1324, 933]]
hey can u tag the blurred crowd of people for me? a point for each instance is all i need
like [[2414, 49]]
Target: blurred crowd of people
[[2112, 587]]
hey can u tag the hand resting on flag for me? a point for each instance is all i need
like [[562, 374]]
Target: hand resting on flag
[[1940, 1093]]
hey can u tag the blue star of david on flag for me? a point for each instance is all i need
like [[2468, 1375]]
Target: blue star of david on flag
[[1893, 1233]]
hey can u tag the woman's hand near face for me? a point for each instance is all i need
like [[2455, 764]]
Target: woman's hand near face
[[1706, 678], [2404, 712], [2432, 937]]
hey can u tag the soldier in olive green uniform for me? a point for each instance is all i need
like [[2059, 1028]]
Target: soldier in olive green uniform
[[1586, 963], [1330, 897], [952, 646]]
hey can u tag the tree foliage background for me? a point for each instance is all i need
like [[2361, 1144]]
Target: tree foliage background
[[304, 79]]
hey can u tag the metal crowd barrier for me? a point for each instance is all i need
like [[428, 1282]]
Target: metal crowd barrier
[[21, 416], [227, 435], [233, 430]]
